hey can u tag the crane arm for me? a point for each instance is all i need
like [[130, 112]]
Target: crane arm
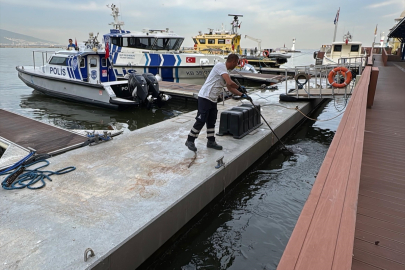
[[259, 41]]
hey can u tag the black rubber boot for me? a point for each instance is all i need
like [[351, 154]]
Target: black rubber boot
[[214, 145], [191, 146]]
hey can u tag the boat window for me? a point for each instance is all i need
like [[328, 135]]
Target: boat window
[[337, 48], [58, 61], [195, 41], [93, 62], [354, 48], [168, 44], [221, 41], [140, 43], [82, 63], [178, 43], [103, 62], [202, 41], [211, 41], [124, 42], [116, 41]]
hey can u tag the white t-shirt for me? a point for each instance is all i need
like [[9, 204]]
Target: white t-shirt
[[212, 87]]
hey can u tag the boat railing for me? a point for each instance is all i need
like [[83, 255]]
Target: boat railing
[[312, 81], [44, 56]]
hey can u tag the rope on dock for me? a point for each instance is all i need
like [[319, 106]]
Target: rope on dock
[[20, 177]]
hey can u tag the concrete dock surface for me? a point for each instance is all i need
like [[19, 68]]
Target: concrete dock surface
[[128, 196]]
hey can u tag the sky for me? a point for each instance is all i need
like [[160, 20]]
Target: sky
[[274, 22]]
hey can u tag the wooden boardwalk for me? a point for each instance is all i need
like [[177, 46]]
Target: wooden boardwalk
[[354, 217], [42, 137], [380, 223]]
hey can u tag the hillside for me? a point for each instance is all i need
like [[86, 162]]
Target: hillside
[[12, 38]]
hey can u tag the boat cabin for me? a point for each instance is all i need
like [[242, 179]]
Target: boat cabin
[[154, 40], [217, 42], [343, 49], [87, 67]]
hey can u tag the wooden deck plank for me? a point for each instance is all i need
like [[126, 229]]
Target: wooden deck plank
[[320, 217], [348, 220], [382, 196], [377, 261], [383, 241], [390, 254], [381, 223], [42, 137], [381, 206], [359, 265], [370, 228]]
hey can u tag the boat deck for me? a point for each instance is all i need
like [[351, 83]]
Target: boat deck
[[42, 137], [380, 222]]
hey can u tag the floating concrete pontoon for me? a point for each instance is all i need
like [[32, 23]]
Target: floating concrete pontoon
[[127, 197]]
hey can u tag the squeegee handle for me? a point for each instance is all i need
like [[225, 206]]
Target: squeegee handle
[[269, 125]]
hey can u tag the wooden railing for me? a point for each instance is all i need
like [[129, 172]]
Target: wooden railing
[[324, 234], [384, 56]]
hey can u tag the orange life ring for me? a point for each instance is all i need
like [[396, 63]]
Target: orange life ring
[[345, 72], [265, 53], [241, 62], [195, 46]]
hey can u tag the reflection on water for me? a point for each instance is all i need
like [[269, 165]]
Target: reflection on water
[[72, 115], [249, 226]]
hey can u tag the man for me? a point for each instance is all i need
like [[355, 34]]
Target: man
[[71, 45], [207, 101]]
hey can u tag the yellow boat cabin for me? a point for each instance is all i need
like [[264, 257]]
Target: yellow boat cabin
[[220, 41]]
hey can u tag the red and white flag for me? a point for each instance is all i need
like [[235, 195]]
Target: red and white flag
[[190, 59], [107, 50]]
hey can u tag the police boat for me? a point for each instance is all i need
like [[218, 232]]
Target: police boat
[[156, 52], [86, 75]]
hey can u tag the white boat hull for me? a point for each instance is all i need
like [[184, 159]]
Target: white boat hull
[[70, 89]]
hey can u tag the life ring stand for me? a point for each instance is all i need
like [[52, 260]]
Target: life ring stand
[[242, 62], [345, 72], [265, 53], [301, 75]]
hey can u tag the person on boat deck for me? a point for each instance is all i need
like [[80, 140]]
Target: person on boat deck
[[207, 101], [71, 45]]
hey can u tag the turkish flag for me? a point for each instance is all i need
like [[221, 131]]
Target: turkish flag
[[190, 59], [107, 50]]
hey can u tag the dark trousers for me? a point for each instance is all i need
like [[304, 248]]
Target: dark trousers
[[207, 114]]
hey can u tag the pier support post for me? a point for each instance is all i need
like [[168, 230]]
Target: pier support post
[[372, 86]]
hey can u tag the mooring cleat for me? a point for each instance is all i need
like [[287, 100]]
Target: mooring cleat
[[214, 145], [191, 146]]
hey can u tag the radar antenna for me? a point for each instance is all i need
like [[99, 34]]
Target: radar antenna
[[235, 24], [115, 13]]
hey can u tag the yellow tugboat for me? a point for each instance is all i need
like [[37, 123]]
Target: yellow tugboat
[[226, 42], [220, 41]]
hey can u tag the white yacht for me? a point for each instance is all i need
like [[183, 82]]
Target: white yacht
[[341, 52], [157, 52]]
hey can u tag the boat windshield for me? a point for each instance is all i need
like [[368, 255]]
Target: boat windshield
[[148, 43], [168, 44]]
